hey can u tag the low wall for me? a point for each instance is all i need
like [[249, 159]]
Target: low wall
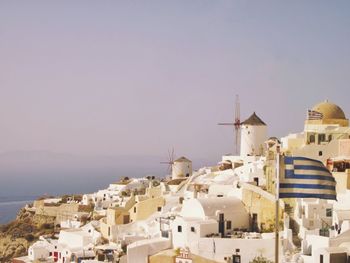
[[139, 251], [219, 248]]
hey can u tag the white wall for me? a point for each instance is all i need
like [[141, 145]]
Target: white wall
[[312, 150], [187, 237], [36, 252], [181, 169], [316, 242], [218, 248], [252, 139], [74, 239], [139, 251]]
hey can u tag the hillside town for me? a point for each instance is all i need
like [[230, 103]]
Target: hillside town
[[221, 213]]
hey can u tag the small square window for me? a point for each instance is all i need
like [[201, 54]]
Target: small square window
[[159, 208], [193, 229], [179, 229], [320, 153]]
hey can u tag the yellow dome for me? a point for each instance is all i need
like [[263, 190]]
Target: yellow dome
[[330, 110]]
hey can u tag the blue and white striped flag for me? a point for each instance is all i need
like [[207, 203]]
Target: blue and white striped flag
[[302, 177], [314, 115]]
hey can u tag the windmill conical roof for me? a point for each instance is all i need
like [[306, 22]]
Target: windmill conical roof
[[254, 120], [182, 159]]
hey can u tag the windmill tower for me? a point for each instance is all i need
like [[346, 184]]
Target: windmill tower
[[182, 168], [236, 125], [254, 135]]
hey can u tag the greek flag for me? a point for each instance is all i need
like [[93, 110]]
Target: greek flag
[[314, 115], [302, 177]]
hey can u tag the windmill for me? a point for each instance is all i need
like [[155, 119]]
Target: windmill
[[170, 162], [236, 124]]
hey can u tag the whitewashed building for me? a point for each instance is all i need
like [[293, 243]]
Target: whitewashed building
[[253, 136]]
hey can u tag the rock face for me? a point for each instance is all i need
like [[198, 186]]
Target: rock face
[[18, 235]]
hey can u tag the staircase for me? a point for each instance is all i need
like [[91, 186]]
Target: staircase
[[289, 210]]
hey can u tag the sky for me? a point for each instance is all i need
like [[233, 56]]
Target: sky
[[125, 78]]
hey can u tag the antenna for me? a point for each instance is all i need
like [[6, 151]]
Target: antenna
[[236, 124], [170, 162]]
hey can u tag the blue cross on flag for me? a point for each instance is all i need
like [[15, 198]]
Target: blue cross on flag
[[302, 177]]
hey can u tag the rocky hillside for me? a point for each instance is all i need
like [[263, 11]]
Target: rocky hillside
[[18, 235]]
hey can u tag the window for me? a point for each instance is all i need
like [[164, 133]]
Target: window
[[329, 212], [321, 137], [236, 259], [134, 209], [179, 229], [109, 231], [126, 219], [159, 208], [228, 225], [187, 175], [193, 229], [321, 258], [320, 153], [312, 138]]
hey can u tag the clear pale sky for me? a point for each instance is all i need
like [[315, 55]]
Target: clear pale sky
[[138, 77]]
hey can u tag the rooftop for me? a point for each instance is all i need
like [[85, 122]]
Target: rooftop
[[329, 110], [254, 120], [182, 159]]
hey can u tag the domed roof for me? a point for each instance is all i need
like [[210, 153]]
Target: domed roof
[[329, 110]]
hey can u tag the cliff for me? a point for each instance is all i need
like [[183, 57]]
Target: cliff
[[18, 235]]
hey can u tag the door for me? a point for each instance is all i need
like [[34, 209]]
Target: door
[[255, 223]]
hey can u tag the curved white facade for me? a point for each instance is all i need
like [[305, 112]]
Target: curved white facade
[[181, 168], [253, 138]]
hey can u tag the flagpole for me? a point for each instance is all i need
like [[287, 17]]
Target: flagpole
[[277, 187]]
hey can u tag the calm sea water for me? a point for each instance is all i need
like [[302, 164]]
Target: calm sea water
[[9, 206]]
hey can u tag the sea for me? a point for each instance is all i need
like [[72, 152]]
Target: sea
[[9, 206]]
